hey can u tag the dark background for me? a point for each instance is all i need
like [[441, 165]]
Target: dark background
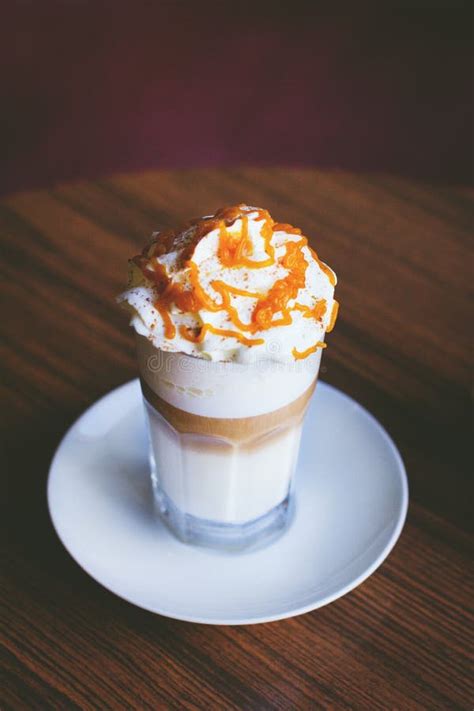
[[90, 87]]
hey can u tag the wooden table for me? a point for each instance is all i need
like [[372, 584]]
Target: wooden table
[[401, 347]]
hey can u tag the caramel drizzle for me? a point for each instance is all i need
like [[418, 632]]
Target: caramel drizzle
[[334, 313], [234, 251], [285, 227], [317, 312], [234, 248], [225, 290], [283, 289], [299, 355], [209, 328]]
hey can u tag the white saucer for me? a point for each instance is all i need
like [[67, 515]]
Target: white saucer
[[350, 510]]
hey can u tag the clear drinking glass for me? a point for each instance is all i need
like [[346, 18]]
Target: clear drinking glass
[[224, 441]]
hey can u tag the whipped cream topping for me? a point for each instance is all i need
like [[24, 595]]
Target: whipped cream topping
[[234, 286]]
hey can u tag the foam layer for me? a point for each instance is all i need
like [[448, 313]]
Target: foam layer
[[223, 389]]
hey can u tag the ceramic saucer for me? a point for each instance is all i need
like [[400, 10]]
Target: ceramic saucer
[[351, 502]]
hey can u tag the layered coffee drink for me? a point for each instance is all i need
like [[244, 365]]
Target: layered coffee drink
[[230, 314]]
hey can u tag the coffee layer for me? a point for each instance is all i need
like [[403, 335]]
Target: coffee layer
[[239, 430]]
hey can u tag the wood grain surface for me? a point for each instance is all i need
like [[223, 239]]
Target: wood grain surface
[[401, 347]]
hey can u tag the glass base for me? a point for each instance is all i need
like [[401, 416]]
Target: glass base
[[225, 536]]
